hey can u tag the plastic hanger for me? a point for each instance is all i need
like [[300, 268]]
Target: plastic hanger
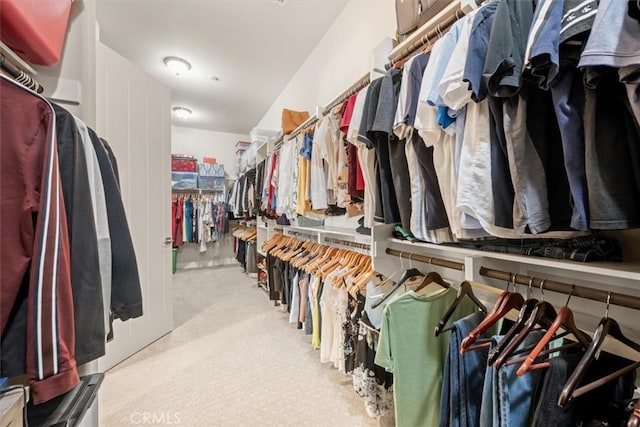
[[563, 319], [465, 290], [408, 274], [543, 314], [606, 327], [505, 303], [524, 314]]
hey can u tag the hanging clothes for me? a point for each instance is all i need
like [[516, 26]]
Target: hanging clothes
[[89, 308], [36, 281]]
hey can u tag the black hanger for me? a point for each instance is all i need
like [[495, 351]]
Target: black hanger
[[464, 290], [606, 327], [408, 274], [543, 314], [432, 277]]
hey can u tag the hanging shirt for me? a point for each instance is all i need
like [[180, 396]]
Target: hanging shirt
[[285, 177], [319, 169], [100, 217], [188, 208], [409, 349], [126, 295]]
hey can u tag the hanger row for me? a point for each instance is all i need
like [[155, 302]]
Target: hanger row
[[622, 300]]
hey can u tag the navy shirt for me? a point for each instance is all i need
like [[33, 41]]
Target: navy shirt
[[507, 43], [478, 44]]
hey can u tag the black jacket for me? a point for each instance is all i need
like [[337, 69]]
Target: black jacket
[[85, 264], [126, 295]]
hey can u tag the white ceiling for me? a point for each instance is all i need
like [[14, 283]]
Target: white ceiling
[[253, 46]]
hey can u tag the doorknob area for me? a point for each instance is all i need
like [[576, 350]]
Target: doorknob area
[[168, 240]]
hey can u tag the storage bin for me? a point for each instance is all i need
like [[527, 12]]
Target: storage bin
[[210, 183], [35, 29], [184, 180], [207, 169], [183, 164]]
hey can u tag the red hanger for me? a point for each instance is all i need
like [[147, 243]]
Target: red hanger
[[563, 319], [505, 303]]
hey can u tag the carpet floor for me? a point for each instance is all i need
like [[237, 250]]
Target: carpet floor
[[232, 360]]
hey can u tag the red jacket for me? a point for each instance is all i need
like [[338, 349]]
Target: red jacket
[[34, 251]]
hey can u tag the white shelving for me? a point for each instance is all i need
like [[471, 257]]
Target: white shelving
[[610, 269]]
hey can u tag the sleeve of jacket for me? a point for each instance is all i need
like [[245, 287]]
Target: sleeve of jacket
[[85, 267], [112, 159], [126, 294]]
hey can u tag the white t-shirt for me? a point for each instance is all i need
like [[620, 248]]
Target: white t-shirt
[[356, 117], [318, 170], [285, 174], [400, 126], [455, 92], [98, 200], [326, 312]]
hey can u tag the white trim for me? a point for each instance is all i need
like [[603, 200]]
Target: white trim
[[54, 277]]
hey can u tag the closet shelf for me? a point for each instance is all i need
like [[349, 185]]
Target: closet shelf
[[610, 269], [262, 226], [263, 253], [335, 231]]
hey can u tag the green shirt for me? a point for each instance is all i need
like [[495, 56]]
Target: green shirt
[[410, 350]]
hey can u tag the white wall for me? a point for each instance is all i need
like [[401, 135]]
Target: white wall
[[200, 143], [339, 59]]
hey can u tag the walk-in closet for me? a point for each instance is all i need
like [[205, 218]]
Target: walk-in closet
[[412, 213]]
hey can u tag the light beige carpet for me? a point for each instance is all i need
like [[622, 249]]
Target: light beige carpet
[[232, 360]]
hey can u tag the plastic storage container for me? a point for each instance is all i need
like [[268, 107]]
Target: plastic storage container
[[76, 408], [35, 29]]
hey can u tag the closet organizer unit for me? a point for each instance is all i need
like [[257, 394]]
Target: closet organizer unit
[[496, 206]]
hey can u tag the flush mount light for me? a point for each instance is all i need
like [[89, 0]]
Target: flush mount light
[[182, 112], [177, 65]]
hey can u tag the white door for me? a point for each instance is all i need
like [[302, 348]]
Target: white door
[[134, 116]]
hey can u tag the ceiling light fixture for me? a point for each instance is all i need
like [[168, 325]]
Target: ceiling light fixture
[[215, 78], [182, 112], [177, 65]]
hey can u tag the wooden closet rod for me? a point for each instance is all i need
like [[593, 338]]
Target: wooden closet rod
[[358, 245], [19, 75], [426, 259], [310, 121], [621, 300], [434, 32], [353, 89]]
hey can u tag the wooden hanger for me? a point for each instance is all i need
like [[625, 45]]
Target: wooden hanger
[[606, 327], [408, 274], [523, 315], [432, 277], [400, 63], [543, 314], [506, 302], [329, 255], [360, 265], [563, 319], [465, 290], [634, 418]]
